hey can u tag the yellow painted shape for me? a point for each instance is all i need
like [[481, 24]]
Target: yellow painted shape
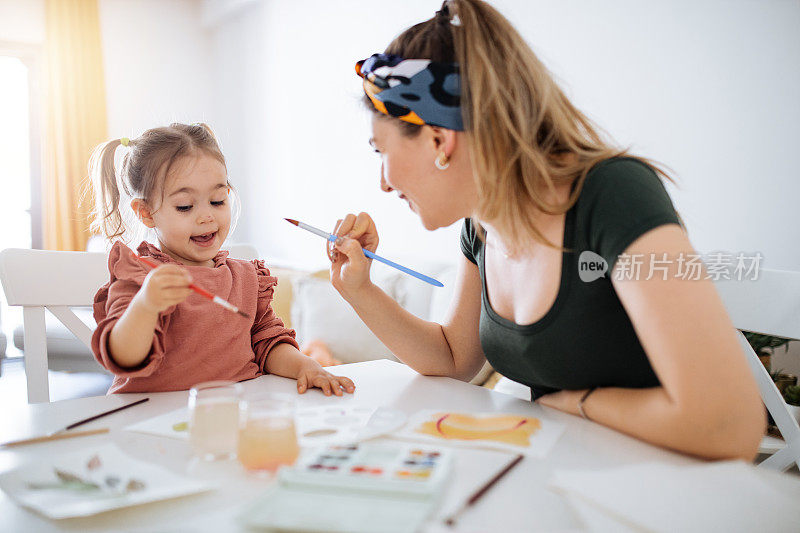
[[509, 429]]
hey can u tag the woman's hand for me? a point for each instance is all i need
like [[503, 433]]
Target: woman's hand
[[349, 265], [313, 375], [164, 286]]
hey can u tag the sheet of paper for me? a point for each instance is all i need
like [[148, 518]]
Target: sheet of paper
[[498, 431], [174, 424], [92, 481], [721, 496], [316, 426]]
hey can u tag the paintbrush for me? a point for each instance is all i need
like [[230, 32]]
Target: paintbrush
[[453, 518], [204, 293], [65, 433], [371, 255]]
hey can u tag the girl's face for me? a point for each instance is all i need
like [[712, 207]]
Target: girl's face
[[194, 216], [438, 197]]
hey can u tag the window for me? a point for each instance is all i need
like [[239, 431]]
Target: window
[[20, 162], [15, 160]]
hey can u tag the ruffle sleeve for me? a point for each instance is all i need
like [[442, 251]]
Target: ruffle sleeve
[[127, 276], [268, 329]]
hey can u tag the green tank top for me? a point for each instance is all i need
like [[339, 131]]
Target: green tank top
[[586, 338]]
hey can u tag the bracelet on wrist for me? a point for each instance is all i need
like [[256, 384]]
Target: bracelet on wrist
[[582, 400]]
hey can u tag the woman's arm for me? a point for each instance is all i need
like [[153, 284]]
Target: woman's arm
[[450, 349], [692, 347]]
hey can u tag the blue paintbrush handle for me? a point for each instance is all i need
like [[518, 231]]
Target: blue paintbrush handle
[[401, 268]]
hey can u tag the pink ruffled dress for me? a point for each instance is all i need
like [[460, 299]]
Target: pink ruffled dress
[[196, 340]]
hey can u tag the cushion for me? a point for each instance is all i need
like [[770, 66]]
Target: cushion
[[283, 291], [320, 313]]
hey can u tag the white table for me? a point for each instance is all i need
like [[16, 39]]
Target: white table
[[520, 502]]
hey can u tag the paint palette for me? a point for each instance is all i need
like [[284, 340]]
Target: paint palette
[[384, 467], [368, 487], [330, 425]]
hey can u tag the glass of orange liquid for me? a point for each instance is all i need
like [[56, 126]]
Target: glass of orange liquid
[[214, 419], [267, 437]]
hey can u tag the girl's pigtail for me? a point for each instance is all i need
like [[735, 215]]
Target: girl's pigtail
[[107, 216]]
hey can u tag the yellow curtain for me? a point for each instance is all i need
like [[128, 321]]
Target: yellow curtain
[[75, 119]]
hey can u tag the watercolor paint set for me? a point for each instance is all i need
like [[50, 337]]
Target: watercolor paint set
[[360, 487]]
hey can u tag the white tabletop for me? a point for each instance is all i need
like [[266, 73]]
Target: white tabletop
[[520, 502]]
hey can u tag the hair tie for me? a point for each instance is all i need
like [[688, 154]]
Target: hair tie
[[444, 15], [124, 141]]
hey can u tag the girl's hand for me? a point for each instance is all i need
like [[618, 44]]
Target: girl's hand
[[349, 265], [164, 287], [313, 375]]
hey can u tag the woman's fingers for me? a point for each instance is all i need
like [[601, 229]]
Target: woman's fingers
[[361, 225], [346, 226], [352, 249], [363, 229], [332, 255]]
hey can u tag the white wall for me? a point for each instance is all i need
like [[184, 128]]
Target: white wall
[[296, 134], [22, 21], [709, 88], [155, 55]]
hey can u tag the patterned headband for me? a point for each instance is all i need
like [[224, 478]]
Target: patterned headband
[[418, 91]]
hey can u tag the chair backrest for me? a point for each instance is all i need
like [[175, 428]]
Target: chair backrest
[[45, 278], [58, 281], [769, 304]]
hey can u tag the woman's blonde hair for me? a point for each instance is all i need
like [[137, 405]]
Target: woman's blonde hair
[[519, 123], [145, 166]]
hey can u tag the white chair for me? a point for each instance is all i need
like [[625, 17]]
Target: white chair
[[59, 282], [769, 305]]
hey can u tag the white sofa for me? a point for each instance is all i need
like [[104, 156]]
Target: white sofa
[[3, 341]]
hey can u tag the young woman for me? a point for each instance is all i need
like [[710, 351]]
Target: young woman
[[470, 125]]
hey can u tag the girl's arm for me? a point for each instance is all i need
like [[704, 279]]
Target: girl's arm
[[450, 349], [285, 360], [708, 404], [131, 338]]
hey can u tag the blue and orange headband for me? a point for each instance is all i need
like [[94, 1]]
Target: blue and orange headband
[[418, 91]]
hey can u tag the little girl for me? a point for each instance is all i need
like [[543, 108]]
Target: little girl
[[153, 332]]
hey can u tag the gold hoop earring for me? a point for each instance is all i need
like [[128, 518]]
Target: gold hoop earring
[[441, 161]]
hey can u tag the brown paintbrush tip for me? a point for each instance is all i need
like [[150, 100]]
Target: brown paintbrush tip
[[248, 317], [291, 220]]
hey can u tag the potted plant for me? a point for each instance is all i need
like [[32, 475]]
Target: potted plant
[[792, 396], [764, 346]]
